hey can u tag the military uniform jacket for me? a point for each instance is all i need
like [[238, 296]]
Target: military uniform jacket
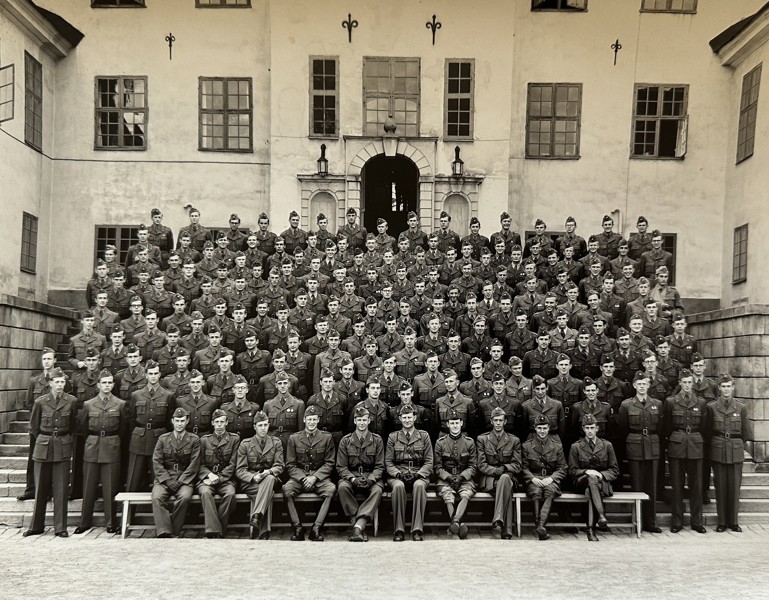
[[81, 343], [176, 459], [601, 458], [166, 359], [51, 424], [310, 455], [149, 342], [333, 410], [541, 363], [84, 386], [200, 408], [128, 381], [389, 344], [543, 458], [458, 361], [218, 455], [380, 415], [113, 359], [389, 389], [519, 342], [149, 418], [521, 389], [368, 366], [602, 412], [681, 349], [38, 385], [457, 401], [567, 390], [205, 360], [503, 451], [584, 362], [194, 342], [361, 457], [220, 387], [455, 456], [253, 365], [409, 363], [427, 391], [684, 417], [104, 319], [286, 416], [406, 453], [641, 423], [601, 344], [254, 456], [728, 427], [178, 384], [240, 418], [511, 406], [552, 409], [627, 363], [477, 389], [104, 423], [612, 391]]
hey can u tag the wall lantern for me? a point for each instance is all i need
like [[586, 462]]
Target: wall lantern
[[322, 162], [457, 165]]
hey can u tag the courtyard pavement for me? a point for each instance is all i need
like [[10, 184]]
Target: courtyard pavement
[[670, 566]]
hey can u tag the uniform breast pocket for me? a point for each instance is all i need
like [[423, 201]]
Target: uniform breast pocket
[[634, 418], [46, 420], [210, 457], [654, 416], [66, 446], [112, 418], [141, 408], [464, 457]]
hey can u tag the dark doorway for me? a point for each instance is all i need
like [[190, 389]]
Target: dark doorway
[[390, 189]]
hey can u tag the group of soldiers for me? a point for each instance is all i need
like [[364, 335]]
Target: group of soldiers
[[479, 364]]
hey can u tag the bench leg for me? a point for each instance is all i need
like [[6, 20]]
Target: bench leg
[[124, 528], [637, 517], [376, 522], [518, 517]]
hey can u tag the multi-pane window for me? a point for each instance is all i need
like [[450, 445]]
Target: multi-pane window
[[223, 3], [740, 255], [7, 92], [565, 5], [460, 76], [225, 114], [121, 113], [324, 96], [120, 236], [29, 243], [391, 89], [33, 102], [669, 244], [746, 134], [660, 121], [553, 120], [117, 3], [677, 6]]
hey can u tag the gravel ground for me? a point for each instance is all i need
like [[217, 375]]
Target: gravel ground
[[686, 565]]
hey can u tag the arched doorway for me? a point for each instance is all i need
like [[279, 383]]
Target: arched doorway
[[390, 189]]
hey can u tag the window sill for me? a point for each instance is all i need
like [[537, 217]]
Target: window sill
[[668, 12], [226, 150], [552, 157], [668, 158], [559, 10], [316, 136], [742, 160], [35, 148], [448, 138], [119, 149], [739, 281], [28, 271]]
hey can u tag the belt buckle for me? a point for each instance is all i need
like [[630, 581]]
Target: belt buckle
[[307, 469], [544, 472], [453, 470], [215, 469], [324, 429], [688, 429], [280, 429], [566, 410], [251, 382], [176, 467], [55, 433], [411, 464], [645, 431], [148, 425], [360, 470], [102, 433], [195, 430], [727, 435]]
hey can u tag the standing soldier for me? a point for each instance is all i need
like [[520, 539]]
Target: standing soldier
[[199, 235], [456, 461], [104, 419], [134, 376], [360, 465], [332, 408], [353, 231], [160, 235], [409, 463], [84, 387], [259, 465], [240, 412], [499, 463], [544, 466], [218, 453], [198, 406], [729, 428], [87, 338], [51, 424]]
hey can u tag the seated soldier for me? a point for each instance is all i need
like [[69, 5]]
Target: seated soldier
[[592, 467], [309, 462], [455, 464], [544, 466], [259, 465], [176, 461], [360, 465], [499, 463]]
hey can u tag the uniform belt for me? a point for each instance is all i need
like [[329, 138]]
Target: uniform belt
[[308, 467], [102, 433], [688, 429], [728, 435], [644, 431], [54, 433]]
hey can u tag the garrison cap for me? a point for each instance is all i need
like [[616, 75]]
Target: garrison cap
[[48, 350], [475, 361], [725, 378], [449, 373], [641, 219], [537, 380], [92, 353], [639, 376], [539, 222], [431, 354], [498, 412], [646, 353], [278, 353], [504, 216], [132, 349], [453, 415], [588, 419], [260, 416], [474, 221], [324, 373], [445, 214], [56, 373], [606, 359], [541, 420], [282, 376], [239, 379], [352, 211], [405, 385], [218, 413], [312, 410], [622, 332], [406, 409], [180, 412], [587, 381], [359, 411], [151, 364], [381, 221], [497, 377], [105, 373], [514, 361], [684, 373], [697, 357]]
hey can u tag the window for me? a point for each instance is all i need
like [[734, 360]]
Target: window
[[121, 113], [553, 120], [225, 114], [120, 236], [660, 122], [29, 243], [391, 89], [675, 6], [740, 257], [565, 5], [7, 93], [223, 3], [117, 3], [746, 134], [669, 243], [324, 96], [33, 102], [460, 76]]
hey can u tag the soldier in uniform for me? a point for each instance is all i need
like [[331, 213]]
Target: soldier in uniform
[[240, 411], [216, 477], [294, 236], [541, 404], [51, 424], [198, 405], [640, 241], [640, 420], [285, 412], [682, 345], [406, 396], [409, 464], [133, 377], [219, 386], [592, 467], [567, 390], [602, 412], [259, 467], [84, 387], [455, 464], [353, 231], [360, 465], [409, 362], [87, 338], [175, 461], [104, 419], [607, 239], [654, 258], [159, 235], [500, 398], [707, 389], [309, 464], [332, 408], [199, 235], [454, 402], [543, 468], [114, 357], [728, 427]]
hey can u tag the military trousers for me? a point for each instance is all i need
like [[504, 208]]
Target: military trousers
[[51, 480], [261, 495], [643, 478], [169, 509], [217, 518], [727, 479], [108, 474], [681, 469], [418, 504], [349, 495]]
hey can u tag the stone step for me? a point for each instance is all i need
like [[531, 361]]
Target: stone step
[[19, 426], [16, 438], [24, 519], [23, 415], [11, 505], [13, 475], [14, 449], [755, 479], [11, 490], [13, 462]]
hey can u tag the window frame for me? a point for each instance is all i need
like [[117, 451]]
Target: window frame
[[120, 110], [36, 126], [745, 109], [123, 237], [120, 4], [670, 244], [11, 85], [740, 254], [324, 93], [683, 131], [29, 231], [553, 119], [562, 6], [447, 95], [223, 4], [668, 8], [392, 96], [225, 112]]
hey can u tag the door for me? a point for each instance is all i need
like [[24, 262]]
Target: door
[[390, 189]]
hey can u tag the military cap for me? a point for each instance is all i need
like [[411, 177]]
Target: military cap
[[622, 332], [385, 284], [543, 331], [346, 361], [697, 357], [208, 244], [640, 375], [57, 373], [368, 340], [222, 266], [333, 333], [212, 328], [475, 221], [282, 376], [498, 412], [539, 222], [48, 350], [561, 357], [646, 353], [360, 411], [479, 319], [381, 221], [180, 412], [352, 211], [281, 306], [240, 379], [449, 373], [541, 420], [725, 378], [592, 239], [445, 214], [325, 372], [662, 270], [370, 236], [537, 380], [222, 235], [142, 269], [453, 415], [659, 340], [105, 373], [155, 211], [196, 315], [438, 296], [260, 416], [409, 331], [431, 354], [514, 361], [684, 373], [584, 330], [92, 353], [588, 419], [677, 316], [521, 312], [497, 377], [641, 219], [218, 413], [181, 352], [263, 216], [418, 248], [485, 251], [278, 353], [292, 214], [515, 248], [132, 348], [406, 409], [587, 381], [571, 219], [561, 313], [119, 273], [504, 296], [626, 263], [504, 216], [405, 385], [475, 361], [151, 364], [606, 359], [312, 410]]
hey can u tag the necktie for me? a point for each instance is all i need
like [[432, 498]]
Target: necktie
[[592, 444], [432, 379]]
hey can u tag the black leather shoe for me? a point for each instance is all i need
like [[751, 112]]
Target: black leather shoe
[[315, 535], [164, 536], [30, 532], [735, 528], [398, 536], [699, 529], [675, 529], [264, 535], [462, 531], [79, 530], [417, 536], [298, 535], [256, 525], [542, 534], [652, 529], [507, 536], [603, 523], [454, 528], [591, 535], [25, 496], [61, 534], [357, 535], [213, 535], [111, 530], [720, 528]]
